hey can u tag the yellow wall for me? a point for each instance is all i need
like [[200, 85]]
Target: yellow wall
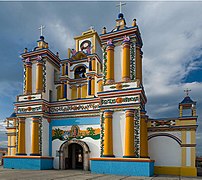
[[74, 92], [178, 171], [100, 87], [84, 91], [93, 86], [79, 92]]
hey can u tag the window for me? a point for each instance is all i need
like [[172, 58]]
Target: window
[[80, 72]]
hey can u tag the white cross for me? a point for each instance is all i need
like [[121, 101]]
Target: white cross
[[41, 29], [120, 4], [187, 91]]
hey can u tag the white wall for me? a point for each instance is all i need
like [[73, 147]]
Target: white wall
[[55, 147], [34, 77], [28, 133], [118, 133], [118, 63], [98, 50], [165, 151], [50, 82], [45, 137]]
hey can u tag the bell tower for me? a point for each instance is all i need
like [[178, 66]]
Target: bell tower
[[187, 105], [122, 102], [123, 98]]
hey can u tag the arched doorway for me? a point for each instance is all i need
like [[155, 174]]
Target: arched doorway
[[74, 154]]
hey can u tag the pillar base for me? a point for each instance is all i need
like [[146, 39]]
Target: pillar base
[[21, 154], [107, 156], [126, 79], [35, 154], [28, 92], [39, 91], [144, 157], [109, 81], [129, 156]]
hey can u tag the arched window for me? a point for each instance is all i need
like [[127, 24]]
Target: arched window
[[80, 72]]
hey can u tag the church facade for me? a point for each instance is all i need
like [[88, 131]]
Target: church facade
[[88, 111]]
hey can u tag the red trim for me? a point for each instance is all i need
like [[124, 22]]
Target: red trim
[[187, 118], [123, 159], [28, 157]]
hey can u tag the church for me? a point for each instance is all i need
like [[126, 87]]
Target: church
[[87, 111]]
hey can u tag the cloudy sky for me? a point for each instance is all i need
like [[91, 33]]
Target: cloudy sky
[[171, 33]]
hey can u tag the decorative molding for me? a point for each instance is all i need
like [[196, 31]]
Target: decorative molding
[[101, 133], [29, 97], [125, 85], [163, 123], [188, 145], [73, 108], [132, 60], [44, 76], [173, 128], [29, 109], [137, 132], [105, 63], [24, 78], [40, 134], [120, 100]]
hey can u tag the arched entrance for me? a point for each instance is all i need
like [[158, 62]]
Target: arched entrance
[[74, 154]]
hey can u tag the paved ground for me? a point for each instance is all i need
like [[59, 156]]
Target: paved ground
[[12, 174]]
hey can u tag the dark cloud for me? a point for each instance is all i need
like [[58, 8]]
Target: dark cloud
[[171, 33]]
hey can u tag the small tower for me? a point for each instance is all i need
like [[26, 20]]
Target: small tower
[[187, 104], [81, 71], [188, 123]]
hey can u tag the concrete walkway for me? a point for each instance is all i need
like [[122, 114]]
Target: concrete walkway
[[12, 174]]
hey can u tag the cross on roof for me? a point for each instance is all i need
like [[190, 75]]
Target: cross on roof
[[120, 5], [41, 29], [187, 91]]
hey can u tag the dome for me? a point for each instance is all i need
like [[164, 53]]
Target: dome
[[187, 100], [120, 16], [13, 115]]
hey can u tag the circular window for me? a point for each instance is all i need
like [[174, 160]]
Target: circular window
[[85, 44]]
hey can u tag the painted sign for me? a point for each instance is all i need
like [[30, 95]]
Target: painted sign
[[64, 133]]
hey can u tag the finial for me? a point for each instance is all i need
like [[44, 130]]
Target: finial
[[187, 91], [120, 5], [27, 60], [25, 50], [134, 22], [126, 38], [41, 29], [91, 27], [104, 30]]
